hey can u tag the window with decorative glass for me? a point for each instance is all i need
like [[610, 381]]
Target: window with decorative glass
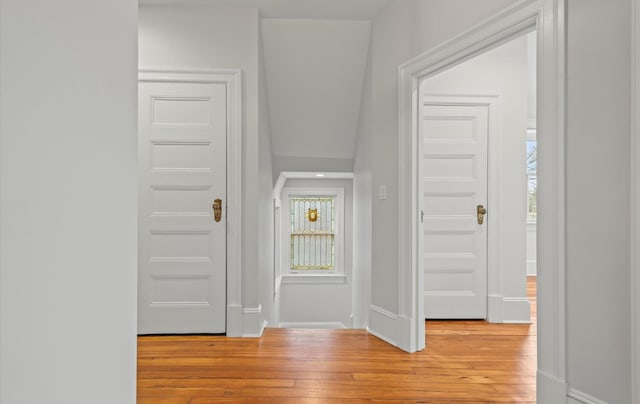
[[314, 240], [532, 180]]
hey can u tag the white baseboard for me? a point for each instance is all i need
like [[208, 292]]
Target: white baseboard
[[516, 310], [578, 397], [550, 390], [512, 310], [383, 324], [252, 323], [314, 325]]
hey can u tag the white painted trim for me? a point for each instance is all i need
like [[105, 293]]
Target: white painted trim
[[516, 310], [327, 325], [577, 396], [285, 175], [635, 202], [551, 230], [495, 309], [549, 16], [549, 389], [234, 319], [313, 279], [404, 325], [383, 324], [252, 323], [232, 78], [508, 310], [494, 169]]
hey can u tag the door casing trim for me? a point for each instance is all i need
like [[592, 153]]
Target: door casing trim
[[635, 202], [232, 78], [549, 18]]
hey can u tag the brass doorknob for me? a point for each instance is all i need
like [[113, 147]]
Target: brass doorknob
[[217, 209], [481, 211]]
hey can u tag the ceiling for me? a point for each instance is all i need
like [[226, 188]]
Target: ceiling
[[314, 75], [316, 9]]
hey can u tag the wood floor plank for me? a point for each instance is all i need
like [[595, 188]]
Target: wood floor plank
[[464, 362]]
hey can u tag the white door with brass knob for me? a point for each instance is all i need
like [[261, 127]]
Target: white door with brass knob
[[454, 168], [182, 196]]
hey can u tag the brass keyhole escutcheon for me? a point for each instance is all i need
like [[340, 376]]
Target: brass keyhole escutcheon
[[217, 209], [481, 211], [312, 215]]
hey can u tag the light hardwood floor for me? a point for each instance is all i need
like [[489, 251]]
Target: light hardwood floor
[[464, 362]]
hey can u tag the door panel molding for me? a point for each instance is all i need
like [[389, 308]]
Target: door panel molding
[[495, 299], [484, 108], [232, 78], [549, 18]]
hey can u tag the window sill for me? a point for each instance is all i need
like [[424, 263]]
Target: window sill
[[314, 279]]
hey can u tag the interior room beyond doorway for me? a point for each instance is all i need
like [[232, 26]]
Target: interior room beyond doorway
[[479, 184]]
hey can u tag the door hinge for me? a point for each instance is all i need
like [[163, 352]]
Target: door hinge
[[421, 216]]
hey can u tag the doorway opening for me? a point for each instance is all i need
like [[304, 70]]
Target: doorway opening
[[477, 149], [548, 19], [477, 124]]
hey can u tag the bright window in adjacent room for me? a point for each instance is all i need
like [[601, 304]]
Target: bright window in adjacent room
[[314, 236], [532, 182]]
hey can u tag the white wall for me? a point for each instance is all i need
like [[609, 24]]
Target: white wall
[[362, 200], [68, 201], [404, 29], [598, 217], [503, 72], [321, 303], [197, 36], [266, 225]]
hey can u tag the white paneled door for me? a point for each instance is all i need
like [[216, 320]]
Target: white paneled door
[[454, 170], [182, 199]]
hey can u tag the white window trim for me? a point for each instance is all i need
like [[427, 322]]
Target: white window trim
[[335, 276], [314, 278]]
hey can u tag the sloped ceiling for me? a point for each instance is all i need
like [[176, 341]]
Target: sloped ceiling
[[314, 72]]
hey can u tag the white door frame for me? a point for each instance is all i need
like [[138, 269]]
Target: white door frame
[[232, 78], [549, 18]]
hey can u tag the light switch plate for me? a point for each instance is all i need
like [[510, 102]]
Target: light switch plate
[[382, 192]]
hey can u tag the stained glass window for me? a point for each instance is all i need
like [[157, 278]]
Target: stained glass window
[[313, 232]]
